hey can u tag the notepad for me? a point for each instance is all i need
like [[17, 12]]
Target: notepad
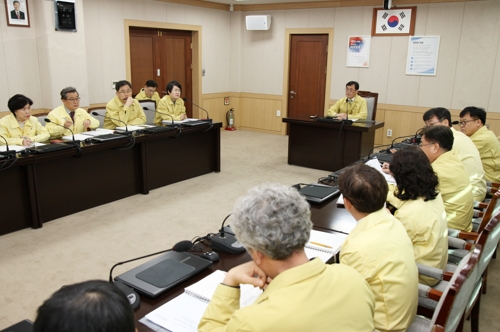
[[183, 313], [324, 245]]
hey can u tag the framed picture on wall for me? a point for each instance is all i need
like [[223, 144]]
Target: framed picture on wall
[[394, 22], [17, 13]]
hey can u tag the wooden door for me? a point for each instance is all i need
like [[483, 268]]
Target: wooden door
[[164, 56], [307, 75]]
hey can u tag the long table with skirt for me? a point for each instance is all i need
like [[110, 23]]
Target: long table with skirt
[[326, 145], [327, 217], [42, 187]]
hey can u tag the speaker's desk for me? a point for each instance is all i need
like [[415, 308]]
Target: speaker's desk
[[326, 145], [43, 187]]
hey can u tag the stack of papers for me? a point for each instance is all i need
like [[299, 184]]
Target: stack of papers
[[324, 245]]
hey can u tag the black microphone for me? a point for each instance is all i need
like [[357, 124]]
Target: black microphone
[[226, 242], [455, 122], [57, 124], [147, 109], [179, 247], [346, 120], [132, 296], [379, 146], [105, 116], [185, 99], [413, 141], [7, 152]]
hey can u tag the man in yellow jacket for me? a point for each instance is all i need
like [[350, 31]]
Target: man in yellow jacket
[[352, 107], [149, 92], [123, 109], [70, 116], [472, 124]]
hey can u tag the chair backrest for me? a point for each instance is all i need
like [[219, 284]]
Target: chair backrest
[[371, 103], [453, 303], [149, 107], [41, 118], [101, 110], [488, 240], [492, 209]]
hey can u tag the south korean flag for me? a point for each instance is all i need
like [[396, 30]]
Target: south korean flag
[[393, 21]]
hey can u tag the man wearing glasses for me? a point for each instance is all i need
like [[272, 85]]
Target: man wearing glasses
[[123, 107], [149, 92], [464, 148], [70, 116], [352, 107], [454, 184], [472, 124]]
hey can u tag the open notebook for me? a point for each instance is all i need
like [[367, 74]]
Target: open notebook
[[183, 313], [324, 245]]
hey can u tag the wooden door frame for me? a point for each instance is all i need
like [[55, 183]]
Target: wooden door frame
[[286, 65], [196, 50]]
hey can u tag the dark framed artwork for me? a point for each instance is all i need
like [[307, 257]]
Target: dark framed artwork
[[17, 13]]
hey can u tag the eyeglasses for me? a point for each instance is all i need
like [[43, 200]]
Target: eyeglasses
[[420, 145], [125, 92], [73, 99], [464, 122], [432, 124], [350, 89]]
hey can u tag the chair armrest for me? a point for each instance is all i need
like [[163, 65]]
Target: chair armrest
[[457, 243], [433, 272], [429, 292], [462, 234]]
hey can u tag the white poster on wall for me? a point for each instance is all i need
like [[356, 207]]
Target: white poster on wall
[[423, 54], [358, 51]]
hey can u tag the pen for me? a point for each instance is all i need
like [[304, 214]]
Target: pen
[[321, 245]]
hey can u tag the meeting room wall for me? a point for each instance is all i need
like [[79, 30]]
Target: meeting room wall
[[468, 71]]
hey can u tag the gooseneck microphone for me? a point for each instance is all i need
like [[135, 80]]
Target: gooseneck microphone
[[185, 99], [182, 246], [379, 146], [105, 116], [57, 124], [7, 152], [147, 109], [226, 242]]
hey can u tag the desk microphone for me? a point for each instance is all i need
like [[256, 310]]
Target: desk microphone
[[346, 120], [185, 99], [147, 109], [226, 242], [394, 140], [379, 146], [57, 124], [105, 116], [7, 152], [132, 296], [455, 122]]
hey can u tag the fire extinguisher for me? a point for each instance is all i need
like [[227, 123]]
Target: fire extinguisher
[[230, 120]]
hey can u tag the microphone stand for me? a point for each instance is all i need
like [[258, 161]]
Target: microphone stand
[[208, 116], [74, 142], [10, 154], [179, 128], [132, 138]]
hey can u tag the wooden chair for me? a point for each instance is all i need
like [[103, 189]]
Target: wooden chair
[[371, 103], [149, 107], [452, 302], [101, 110], [490, 209]]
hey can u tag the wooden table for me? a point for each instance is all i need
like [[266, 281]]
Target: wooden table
[[326, 145], [43, 187]]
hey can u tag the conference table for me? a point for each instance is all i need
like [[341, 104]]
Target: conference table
[[329, 146], [327, 217], [42, 187]]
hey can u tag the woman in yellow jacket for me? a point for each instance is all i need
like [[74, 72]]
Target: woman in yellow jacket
[[171, 104], [20, 128]]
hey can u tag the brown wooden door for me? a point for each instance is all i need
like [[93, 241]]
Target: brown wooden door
[[307, 75], [164, 56]]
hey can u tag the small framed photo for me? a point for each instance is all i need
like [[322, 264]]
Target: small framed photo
[[394, 22], [17, 13], [226, 101]]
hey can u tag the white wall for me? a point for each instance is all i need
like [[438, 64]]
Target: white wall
[[39, 61], [468, 70]]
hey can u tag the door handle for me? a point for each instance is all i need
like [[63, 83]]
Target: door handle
[[292, 93]]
